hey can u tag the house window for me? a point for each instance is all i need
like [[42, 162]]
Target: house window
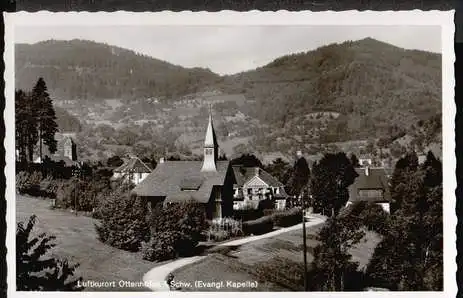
[[139, 175], [249, 191], [209, 151]]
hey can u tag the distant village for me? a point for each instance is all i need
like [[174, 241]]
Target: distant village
[[213, 182]]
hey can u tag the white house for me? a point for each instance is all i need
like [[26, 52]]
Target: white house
[[133, 170], [253, 185]]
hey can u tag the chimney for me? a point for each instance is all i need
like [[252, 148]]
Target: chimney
[[161, 160], [367, 170], [256, 171]]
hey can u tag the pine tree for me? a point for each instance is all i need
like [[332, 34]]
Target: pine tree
[[33, 271], [298, 182], [46, 118], [26, 126]]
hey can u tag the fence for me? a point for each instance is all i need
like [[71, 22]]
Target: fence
[[227, 226]]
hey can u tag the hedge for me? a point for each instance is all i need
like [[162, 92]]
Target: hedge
[[287, 218], [259, 226]]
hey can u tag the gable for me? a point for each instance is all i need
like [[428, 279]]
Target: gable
[[255, 182]]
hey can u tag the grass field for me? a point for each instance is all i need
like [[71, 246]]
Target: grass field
[[77, 241], [276, 263]]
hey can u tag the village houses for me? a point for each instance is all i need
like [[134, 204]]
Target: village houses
[[216, 184]]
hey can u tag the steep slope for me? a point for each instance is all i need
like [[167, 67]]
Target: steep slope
[[373, 85]]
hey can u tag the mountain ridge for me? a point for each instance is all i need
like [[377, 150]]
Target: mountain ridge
[[377, 90]]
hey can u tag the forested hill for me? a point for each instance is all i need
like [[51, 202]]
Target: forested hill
[[80, 69], [364, 89], [372, 84]]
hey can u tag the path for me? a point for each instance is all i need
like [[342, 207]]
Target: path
[[155, 279], [312, 221]]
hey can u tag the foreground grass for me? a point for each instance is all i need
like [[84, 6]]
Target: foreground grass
[[77, 241], [275, 263]]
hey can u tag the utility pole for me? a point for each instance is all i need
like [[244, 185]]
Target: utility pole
[[304, 240]]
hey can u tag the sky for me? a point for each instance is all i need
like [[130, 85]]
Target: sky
[[231, 49]]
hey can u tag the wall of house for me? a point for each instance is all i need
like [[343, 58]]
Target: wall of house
[[249, 195], [135, 178], [385, 206]]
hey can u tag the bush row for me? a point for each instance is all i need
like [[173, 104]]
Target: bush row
[[83, 194], [266, 223], [258, 226], [287, 218]]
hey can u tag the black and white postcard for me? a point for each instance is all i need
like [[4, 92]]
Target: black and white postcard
[[230, 152]]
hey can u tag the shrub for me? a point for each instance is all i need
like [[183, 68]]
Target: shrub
[[161, 247], [259, 226], [219, 235], [176, 230], [287, 218], [123, 222], [375, 218], [29, 183], [33, 271], [247, 214], [50, 186], [371, 215]]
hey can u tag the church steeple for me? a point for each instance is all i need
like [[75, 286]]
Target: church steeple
[[211, 148]]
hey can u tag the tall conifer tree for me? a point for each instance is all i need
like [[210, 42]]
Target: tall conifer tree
[[26, 126], [46, 118]]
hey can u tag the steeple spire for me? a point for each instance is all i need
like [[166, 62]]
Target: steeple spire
[[210, 147]]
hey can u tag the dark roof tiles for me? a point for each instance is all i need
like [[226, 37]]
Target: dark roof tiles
[[168, 177], [375, 180]]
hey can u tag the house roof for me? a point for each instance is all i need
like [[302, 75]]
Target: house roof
[[244, 174], [169, 177], [375, 180], [133, 165], [67, 161]]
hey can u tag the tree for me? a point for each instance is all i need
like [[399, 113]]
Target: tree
[[26, 134], [404, 169], [410, 256], [247, 160], [280, 170], [299, 180], [33, 271], [123, 221], [46, 119], [177, 230], [331, 177], [354, 160], [114, 161], [332, 263]]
